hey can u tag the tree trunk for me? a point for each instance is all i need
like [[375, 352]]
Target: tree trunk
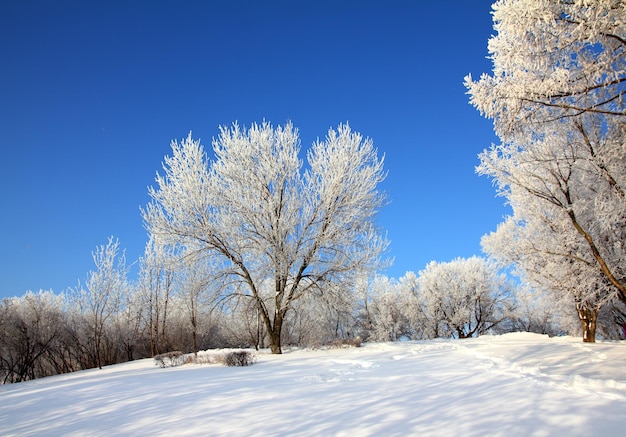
[[152, 340], [258, 330], [274, 334], [275, 343], [194, 334], [96, 343], [588, 317]]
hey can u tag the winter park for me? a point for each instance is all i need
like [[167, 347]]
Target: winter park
[[393, 274]]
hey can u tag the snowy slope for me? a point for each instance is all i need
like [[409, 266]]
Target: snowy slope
[[511, 385]]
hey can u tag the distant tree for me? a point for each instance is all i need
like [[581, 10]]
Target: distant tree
[[30, 331], [323, 317], [390, 310], [193, 280], [130, 326], [612, 320], [102, 296], [242, 322], [156, 278], [464, 297], [260, 219], [540, 311], [556, 96], [422, 326]]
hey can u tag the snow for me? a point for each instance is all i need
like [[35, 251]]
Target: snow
[[511, 385]]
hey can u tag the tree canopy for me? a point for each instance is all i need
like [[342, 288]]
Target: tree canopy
[[269, 229]]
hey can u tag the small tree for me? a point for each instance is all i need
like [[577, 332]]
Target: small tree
[[260, 220], [391, 310], [156, 277], [101, 299], [129, 326], [193, 281]]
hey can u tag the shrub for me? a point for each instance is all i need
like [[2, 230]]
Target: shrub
[[203, 358], [170, 359], [239, 358], [231, 358]]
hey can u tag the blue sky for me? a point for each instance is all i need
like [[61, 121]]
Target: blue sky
[[92, 93]]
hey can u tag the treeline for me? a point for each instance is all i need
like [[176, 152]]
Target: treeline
[[110, 321]]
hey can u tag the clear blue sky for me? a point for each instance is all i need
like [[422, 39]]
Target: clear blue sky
[[92, 93]]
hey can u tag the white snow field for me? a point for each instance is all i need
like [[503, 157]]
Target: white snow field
[[511, 385]]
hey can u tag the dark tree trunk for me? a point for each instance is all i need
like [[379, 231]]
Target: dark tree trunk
[[588, 318], [275, 343], [274, 334], [194, 335]]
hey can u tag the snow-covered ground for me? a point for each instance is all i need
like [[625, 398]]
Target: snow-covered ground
[[511, 385]]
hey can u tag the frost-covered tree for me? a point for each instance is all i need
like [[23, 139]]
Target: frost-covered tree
[[393, 310], [31, 329], [130, 326], [241, 320], [260, 217], [323, 317], [541, 312], [553, 59], [465, 297], [612, 320], [101, 298], [156, 277], [549, 260], [193, 281], [568, 192], [556, 96]]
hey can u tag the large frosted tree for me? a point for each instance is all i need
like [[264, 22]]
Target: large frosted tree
[[553, 59], [271, 229], [556, 96]]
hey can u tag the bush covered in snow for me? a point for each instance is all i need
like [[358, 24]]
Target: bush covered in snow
[[239, 358], [230, 358], [170, 359]]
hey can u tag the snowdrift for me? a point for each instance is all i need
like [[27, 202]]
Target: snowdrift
[[512, 385]]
